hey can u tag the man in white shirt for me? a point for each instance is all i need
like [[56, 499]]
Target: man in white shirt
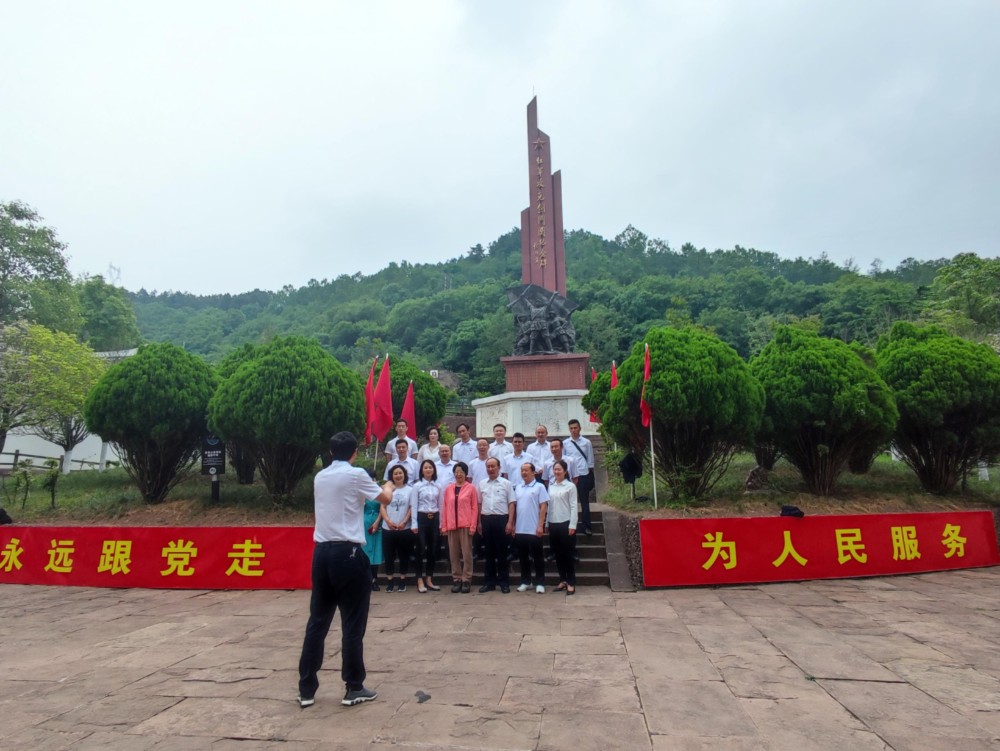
[[529, 526], [496, 526], [539, 450], [464, 449], [390, 445], [556, 447], [582, 450], [501, 447], [512, 464], [405, 461], [445, 467], [477, 467], [341, 572]]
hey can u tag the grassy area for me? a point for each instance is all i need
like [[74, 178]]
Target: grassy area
[[91, 496], [889, 485]]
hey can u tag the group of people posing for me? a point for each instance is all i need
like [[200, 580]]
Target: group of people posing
[[483, 495]]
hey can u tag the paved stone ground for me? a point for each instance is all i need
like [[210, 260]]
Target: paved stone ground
[[898, 663]]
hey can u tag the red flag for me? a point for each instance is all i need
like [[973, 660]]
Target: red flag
[[593, 412], [409, 413], [614, 374], [382, 422], [647, 413], [370, 402]]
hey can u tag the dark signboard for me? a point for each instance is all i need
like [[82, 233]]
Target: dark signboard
[[213, 455]]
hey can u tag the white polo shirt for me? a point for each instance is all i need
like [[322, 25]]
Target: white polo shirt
[[340, 492], [496, 495]]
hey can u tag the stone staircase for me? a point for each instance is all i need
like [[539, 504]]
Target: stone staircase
[[592, 568]]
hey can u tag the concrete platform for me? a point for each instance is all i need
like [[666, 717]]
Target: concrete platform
[[906, 663]]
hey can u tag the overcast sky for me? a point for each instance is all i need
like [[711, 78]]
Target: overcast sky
[[224, 146]]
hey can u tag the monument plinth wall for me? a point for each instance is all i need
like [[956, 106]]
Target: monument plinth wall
[[546, 372]]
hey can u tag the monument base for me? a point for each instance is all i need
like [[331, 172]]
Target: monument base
[[546, 372], [522, 411]]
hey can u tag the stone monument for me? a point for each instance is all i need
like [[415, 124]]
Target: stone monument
[[545, 378]]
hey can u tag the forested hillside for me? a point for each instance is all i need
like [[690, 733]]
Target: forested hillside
[[453, 314]]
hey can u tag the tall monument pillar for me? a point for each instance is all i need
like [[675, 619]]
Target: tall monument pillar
[[545, 378], [543, 248]]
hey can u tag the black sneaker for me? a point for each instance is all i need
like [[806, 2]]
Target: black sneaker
[[375, 586], [486, 588], [306, 702], [504, 589], [466, 587], [401, 588], [390, 587], [456, 588], [358, 697]]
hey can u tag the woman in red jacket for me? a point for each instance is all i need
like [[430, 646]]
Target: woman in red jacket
[[459, 519]]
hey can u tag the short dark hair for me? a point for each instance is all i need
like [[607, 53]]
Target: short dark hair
[[493, 459], [434, 477], [343, 446], [404, 442], [462, 466], [433, 427], [519, 434], [574, 421], [500, 425], [400, 420], [406, 475], [555, 440], [462, 425]]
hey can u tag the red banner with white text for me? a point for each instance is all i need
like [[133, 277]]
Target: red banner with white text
[[685, 552], [158, 557]]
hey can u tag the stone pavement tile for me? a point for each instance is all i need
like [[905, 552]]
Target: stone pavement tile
[[102, 740], [610, 644], [386, 624], [708, 743], [497, 642], [462, 727], [509, 624], [329, 721], [282, 685], [161, 655], [592, 731], [757, 603], [739, 638], [251, 656], [692, 708], [589, 626], [261, 719], [430, 622], [222, 682], [665, 659], [593, 667], [813, 723], [819, 652], [960, 687], [752, 676], [526, 665], [661, 629], [894, 646], [896, 709], [839, 618], [567, 695], [40, 739], [918, 742], [118, 711], [797, 594], [234, 744], [468, 689], [651, 604]]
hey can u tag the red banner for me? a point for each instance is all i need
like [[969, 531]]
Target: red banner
[[684, 552], [158, 557]]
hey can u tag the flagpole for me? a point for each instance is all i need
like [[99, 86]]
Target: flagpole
[[375, 461], [652, 461]]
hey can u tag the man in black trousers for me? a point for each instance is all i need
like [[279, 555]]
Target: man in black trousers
[[341, 572]]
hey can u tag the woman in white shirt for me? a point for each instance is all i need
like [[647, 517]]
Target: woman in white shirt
[[399, 527], [562, 525], [430, 449], [428, 494]]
